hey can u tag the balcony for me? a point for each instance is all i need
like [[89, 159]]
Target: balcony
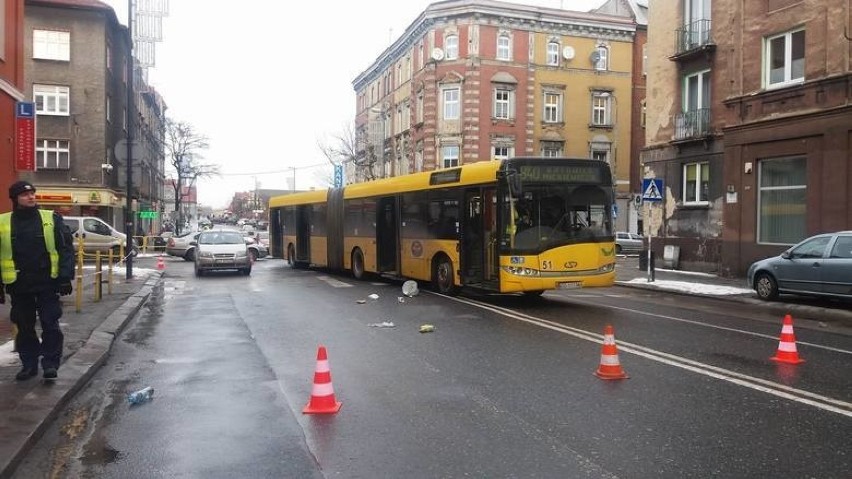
[[692, 125], [692, 40]]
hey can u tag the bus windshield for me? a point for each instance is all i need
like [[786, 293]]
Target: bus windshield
[[544, 216]]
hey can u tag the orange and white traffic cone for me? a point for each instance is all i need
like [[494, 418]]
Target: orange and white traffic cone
[[787, 344], [322, 394], [610, 368], [161, 265]]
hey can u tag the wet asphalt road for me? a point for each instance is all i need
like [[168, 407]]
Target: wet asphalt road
[[502, 388]]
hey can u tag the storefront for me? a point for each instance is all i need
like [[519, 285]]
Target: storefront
[[100, 202]]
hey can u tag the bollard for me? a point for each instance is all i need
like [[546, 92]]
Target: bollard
[[98, 276], [78, 298], [109, 273]]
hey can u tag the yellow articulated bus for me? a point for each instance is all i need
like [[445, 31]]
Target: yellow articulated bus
[[521, 225]]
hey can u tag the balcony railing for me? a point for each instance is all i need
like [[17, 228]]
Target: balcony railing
[[692, 124], [693, 36]]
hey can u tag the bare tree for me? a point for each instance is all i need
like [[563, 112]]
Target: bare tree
[[349, 147], [183, 146]]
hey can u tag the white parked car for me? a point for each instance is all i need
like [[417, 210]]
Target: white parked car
[[628, 243], [216, 250]]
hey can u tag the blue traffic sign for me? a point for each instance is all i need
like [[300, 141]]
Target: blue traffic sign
[[652, 189], [338, 176]]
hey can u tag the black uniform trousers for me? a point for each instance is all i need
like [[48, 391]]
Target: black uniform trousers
[[25, 307]]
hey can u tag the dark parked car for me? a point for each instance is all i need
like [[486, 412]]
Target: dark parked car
[[820, 266]]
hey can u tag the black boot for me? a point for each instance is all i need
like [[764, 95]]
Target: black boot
[[49, 373], [26, 372]]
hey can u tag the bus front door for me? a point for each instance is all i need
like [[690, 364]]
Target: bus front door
[[303, 234], [387, 234], [479, 237]]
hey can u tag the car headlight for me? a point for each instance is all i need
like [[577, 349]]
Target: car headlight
[[205, 254], [242, 254]]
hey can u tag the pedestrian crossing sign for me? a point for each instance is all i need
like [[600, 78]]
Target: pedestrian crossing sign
[[652, 189]]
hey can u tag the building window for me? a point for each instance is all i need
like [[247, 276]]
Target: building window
[[420, 106], [600, 151], [418, 157], [451, 103], [450, 156], [51, 99], [552, 107], [108, 57], [551, 149], [53, 154], [601, 108], [108, 107], [785, 59], [452, 47], [782, 202], [602, 55], [504, 47], [696, 183], [502, 152], [51, 45], [504, 103], [553, 54]]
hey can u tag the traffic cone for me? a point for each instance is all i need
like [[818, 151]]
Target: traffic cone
[[322, 394], [787, 344], [161, 265], [610, 368]]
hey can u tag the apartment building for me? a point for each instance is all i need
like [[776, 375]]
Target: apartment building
[[478, 80], [748, 124], [11, 91], [76, 71]]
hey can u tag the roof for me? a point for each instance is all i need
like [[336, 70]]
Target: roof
[[77, 4]]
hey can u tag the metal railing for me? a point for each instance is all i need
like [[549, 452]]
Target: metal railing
[[692, 124], [692, 36]]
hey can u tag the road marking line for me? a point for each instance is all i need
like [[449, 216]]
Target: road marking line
[[769, 387], [713, 326], [334, 282]]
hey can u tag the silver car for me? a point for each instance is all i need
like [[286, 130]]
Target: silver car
[[820, 266], [181, 246], [627, 243], [221, 250]]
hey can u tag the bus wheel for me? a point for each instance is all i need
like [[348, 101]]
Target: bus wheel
[[358, 264], [442, 277], [291, 256]]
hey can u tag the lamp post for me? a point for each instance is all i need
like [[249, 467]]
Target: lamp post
[[128, 216]]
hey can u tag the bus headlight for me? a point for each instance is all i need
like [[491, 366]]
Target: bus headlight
[[607, 268]]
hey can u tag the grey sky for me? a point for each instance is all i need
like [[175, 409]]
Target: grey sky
[[267, 81]]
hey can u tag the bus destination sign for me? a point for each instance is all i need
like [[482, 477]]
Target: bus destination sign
[[561, 174]]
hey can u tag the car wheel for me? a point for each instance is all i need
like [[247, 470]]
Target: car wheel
[[766, 286], [358, 264], [618, 249], [253, 254], [442, 277], [189, 255]]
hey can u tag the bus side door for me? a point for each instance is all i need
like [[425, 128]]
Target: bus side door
[[387, 235]]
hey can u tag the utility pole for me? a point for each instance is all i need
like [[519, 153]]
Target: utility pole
[[128, 220]]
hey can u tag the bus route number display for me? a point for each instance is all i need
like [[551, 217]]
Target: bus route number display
[[560, 174]]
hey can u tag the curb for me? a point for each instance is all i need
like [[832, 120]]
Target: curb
[[78, 369]]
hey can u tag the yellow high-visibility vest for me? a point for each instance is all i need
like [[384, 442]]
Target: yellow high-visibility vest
[[8, 271]]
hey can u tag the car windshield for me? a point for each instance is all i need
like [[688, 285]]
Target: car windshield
[[221, 238]]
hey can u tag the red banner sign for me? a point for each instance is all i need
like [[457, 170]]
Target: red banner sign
[[25, 136]]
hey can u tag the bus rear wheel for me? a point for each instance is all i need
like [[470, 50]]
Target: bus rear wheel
[[442, 277], [357, 264]]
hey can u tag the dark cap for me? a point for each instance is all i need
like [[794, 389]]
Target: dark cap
[[19, 187]]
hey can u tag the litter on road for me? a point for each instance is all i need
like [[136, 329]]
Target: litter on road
[[361, 301], [427, 328], [409, 288], [373, 296]]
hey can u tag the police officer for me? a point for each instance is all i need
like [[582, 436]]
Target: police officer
[[36, 266]]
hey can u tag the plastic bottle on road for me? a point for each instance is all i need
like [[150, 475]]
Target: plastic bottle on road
[[141, 395]]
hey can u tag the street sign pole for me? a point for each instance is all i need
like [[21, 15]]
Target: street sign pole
[[652, 192]]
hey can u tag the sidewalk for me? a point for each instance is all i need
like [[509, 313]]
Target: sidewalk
[[627, 273], [28, 407]]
